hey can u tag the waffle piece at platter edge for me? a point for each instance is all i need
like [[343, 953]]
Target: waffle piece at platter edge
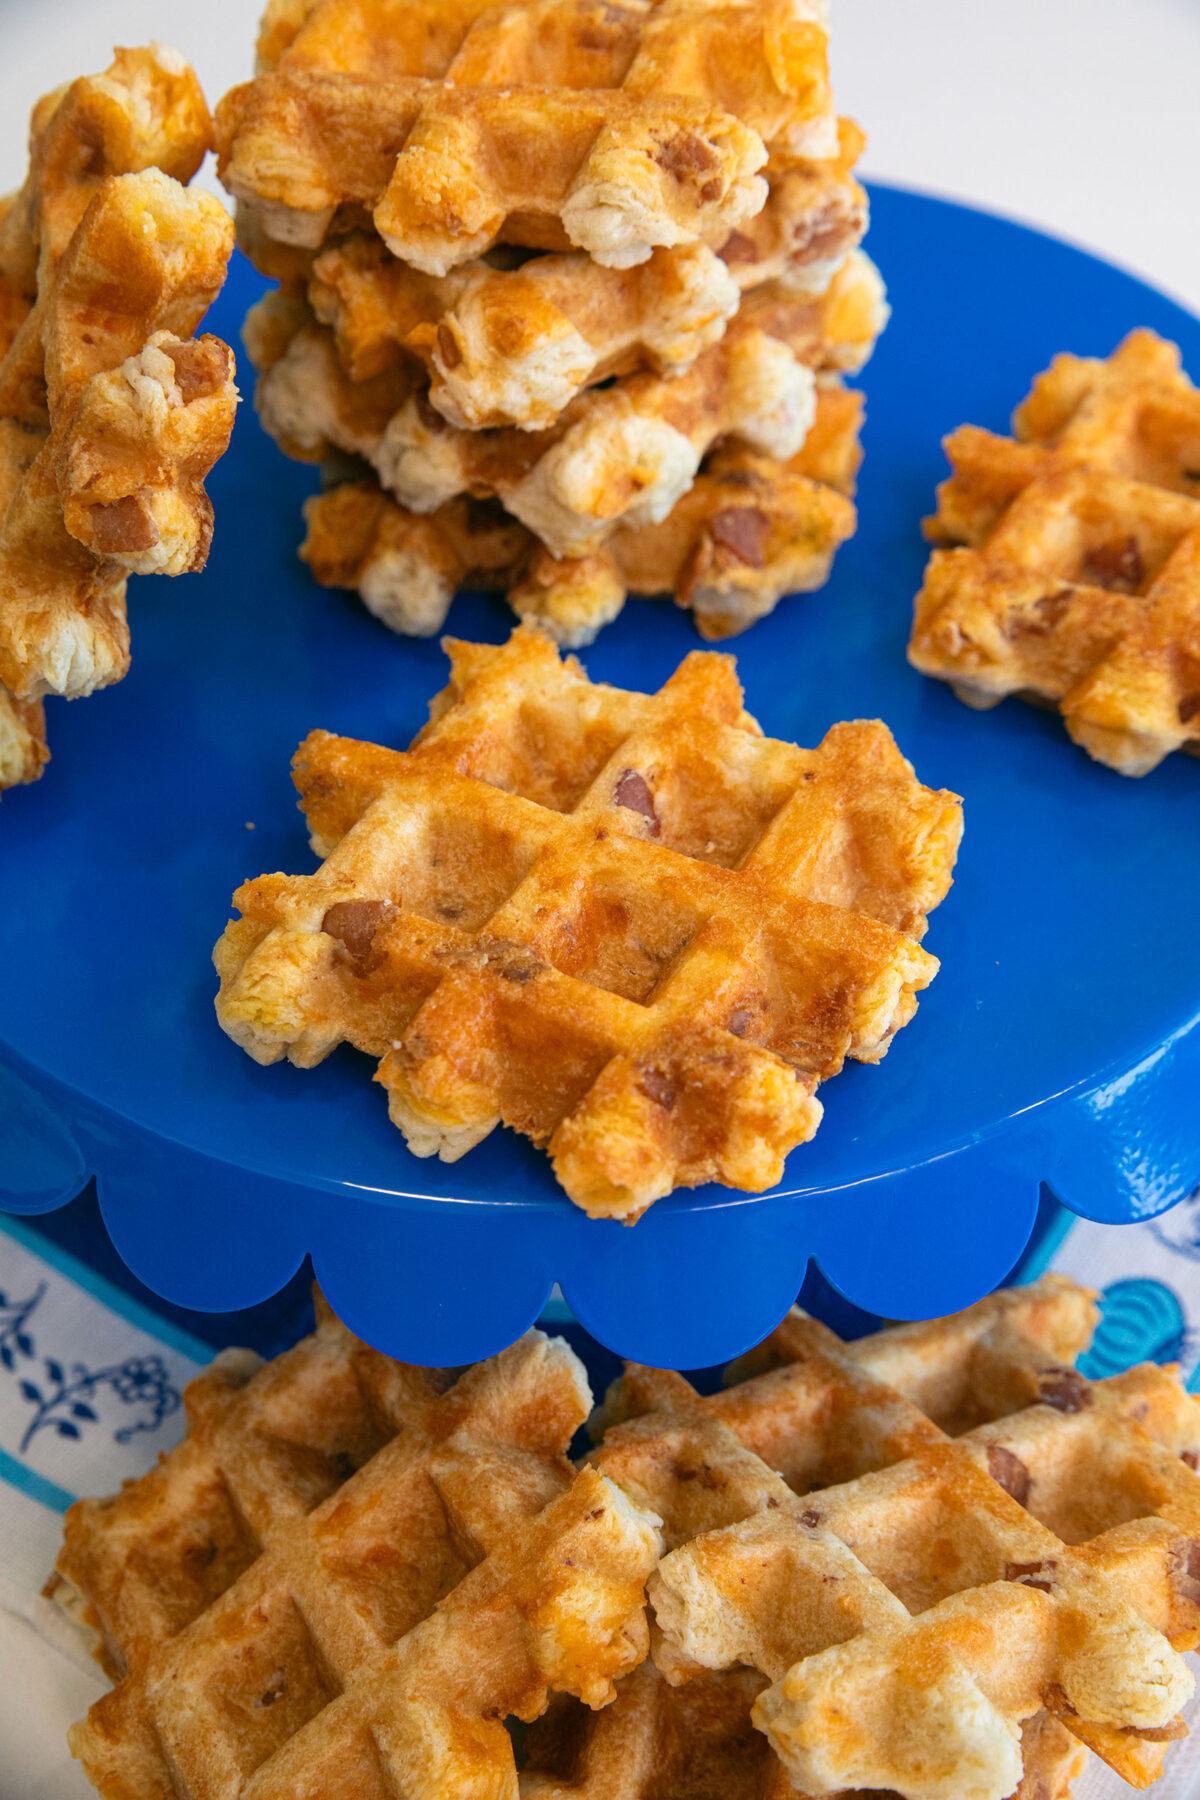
[[617, 456], [924, 1541], [628, 926], [614, 128], [349, 1574], [1077, 583], [749, 531], [111, 412]]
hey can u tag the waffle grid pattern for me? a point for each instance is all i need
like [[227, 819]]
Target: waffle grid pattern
[[925, 1540], [614, 128], [617, 457], [749, 530], [348, 1574], [935, 1563], [555, 254]]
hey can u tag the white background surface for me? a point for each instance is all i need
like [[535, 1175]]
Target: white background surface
[[1077, 115], [1081, 116]]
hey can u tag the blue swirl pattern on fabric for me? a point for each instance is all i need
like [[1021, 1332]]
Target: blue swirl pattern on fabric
[[1141, 1321]]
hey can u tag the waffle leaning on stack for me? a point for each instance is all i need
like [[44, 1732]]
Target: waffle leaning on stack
[[567, 290], [112, 411]]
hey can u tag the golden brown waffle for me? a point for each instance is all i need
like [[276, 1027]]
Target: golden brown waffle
[[926, 1539], [583, 391], [614, 128], [138, 413], [618, 456], [349, 1574], [630, 927], [515, 346], [111, 414], [749, 531], [352, 1571], [815, 214], [1078, 585]]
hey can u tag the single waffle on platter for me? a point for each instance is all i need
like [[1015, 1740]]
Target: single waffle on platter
[[349, 1575], [926, 1542], [628, 926], [750, 530], [111, 412], [1074, 579], [618, 456], [611, 128]]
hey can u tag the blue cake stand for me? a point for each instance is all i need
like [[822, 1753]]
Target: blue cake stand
[[1060, 1043]]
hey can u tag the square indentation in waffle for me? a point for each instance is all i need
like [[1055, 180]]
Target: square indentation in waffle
[[629, 926], [416, 1562], [112, 413], [925, 1542], [611, 127], [1075, 580]]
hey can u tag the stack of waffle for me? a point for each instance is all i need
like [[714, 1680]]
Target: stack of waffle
[[567, 290], [935, 1564]]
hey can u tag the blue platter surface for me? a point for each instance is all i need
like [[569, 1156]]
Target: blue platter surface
[[1059, 1044]]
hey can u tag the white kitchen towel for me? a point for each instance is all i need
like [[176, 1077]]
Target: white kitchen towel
[[90, 1393]]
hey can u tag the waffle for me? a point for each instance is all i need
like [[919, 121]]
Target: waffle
[[111, 413], [629, 927], [924, 1540], [614, 129], [1075, 580], [815, 214], [349, 1574], [749, 531], [352, 1571], [619, 456], [513, 347]]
